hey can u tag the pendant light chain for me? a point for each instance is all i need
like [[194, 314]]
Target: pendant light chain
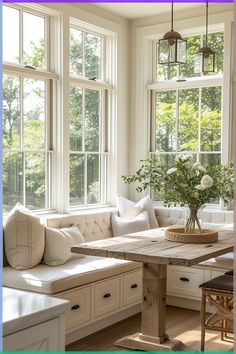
[[172, 16], [206, 22]]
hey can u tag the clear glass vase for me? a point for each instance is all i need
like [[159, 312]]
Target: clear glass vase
[[192, 224]]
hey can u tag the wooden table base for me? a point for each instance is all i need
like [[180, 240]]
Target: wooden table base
[[137, 342]]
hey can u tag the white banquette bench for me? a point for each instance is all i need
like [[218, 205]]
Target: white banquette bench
[[103, 291]]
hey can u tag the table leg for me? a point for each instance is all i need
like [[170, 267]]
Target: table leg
[[153, 335]]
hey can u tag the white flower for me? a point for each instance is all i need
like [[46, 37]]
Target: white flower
[[196, 194], [199, 187], [195, 165], [201, 169], [171, 170], [186, 158], [206, 181]]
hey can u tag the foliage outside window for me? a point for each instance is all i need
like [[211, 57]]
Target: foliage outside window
[[188, 118], [26, 155], [87, 119]]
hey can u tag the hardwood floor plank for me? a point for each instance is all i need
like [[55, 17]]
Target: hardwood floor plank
[[182, 324]]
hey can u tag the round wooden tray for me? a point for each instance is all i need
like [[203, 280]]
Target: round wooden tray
[[177, 234]]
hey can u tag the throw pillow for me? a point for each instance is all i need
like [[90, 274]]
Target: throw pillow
[[124, 205], [123, 226], [24, 238], [58, 243]]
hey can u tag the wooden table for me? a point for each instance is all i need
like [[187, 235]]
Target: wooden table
[[151, 248]]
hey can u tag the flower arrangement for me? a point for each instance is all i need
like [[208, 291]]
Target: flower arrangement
[[186, 184]]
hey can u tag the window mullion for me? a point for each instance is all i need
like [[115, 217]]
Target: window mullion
[[199, 122], [83, 54], [177, 119], [21, 51]]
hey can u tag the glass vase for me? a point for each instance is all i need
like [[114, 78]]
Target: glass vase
[[192, 225]]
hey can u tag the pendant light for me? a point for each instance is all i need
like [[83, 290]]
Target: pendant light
[[205, 57], [172, 47]]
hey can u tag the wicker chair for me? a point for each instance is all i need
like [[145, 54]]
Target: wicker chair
[[219, 294]]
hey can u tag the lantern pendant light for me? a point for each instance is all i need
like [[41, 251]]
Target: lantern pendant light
[[172, 47], [205, 57]]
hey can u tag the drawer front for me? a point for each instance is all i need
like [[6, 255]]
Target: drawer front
[[217, 273], [183, 281], [80, 306], [132, 287], [106, 296]]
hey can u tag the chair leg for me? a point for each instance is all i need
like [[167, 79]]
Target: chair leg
[[203, 319]]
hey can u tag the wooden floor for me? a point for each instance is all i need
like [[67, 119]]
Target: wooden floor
[[182, 324]]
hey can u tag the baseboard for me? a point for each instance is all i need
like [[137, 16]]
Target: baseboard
[[98, 325]]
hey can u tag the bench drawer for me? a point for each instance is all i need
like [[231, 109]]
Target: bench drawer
[[80, 306], [132, 287], [106, 296], [183, 281]]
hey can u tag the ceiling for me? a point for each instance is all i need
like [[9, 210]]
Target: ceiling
[[138, 10]]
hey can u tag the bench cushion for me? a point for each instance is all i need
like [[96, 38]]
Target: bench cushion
[[51, 280]]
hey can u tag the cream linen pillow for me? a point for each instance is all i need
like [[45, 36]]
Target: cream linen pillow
[[125, 205], [58, 243], [24, 238], [123, 226]]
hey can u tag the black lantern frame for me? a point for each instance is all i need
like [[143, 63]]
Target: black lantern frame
[[205, 57], [172, 47]]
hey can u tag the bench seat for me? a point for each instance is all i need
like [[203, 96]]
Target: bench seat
[[45, 279]]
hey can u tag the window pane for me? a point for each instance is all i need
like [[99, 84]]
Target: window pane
[[93, 185], [216, 43], [211, 119], [76, 52], [11, 112], [210, 159], [193, 44], [76, 120], [12, 180], [166, 121], [92, 117], [188, 120], [34, 114], [77, 165], [35, 182], [33, 40], [10, 27], [92, 47]]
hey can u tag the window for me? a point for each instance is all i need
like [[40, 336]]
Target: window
[[187, 114], [88, 99], [26, 119]]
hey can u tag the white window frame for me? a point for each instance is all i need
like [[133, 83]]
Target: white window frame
[[22, 72], [105, 88], [141, 122]]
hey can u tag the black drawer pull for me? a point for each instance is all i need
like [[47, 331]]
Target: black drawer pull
[[106, 295], [184, 279], [133, 286], [75, 307]]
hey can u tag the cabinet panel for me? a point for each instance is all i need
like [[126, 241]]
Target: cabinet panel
[[80, 306], [132, 287], [39, 338], [106, 296], [183, 281]]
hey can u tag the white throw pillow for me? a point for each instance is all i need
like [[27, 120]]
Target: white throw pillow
[[24, 238], [123, 226], [124, 205], [58, 243]]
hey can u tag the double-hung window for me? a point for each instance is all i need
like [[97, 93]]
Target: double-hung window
[[187, 107], [88, 117], [26, 112]]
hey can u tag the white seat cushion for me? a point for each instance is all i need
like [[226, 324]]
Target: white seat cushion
[[51, 280]]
